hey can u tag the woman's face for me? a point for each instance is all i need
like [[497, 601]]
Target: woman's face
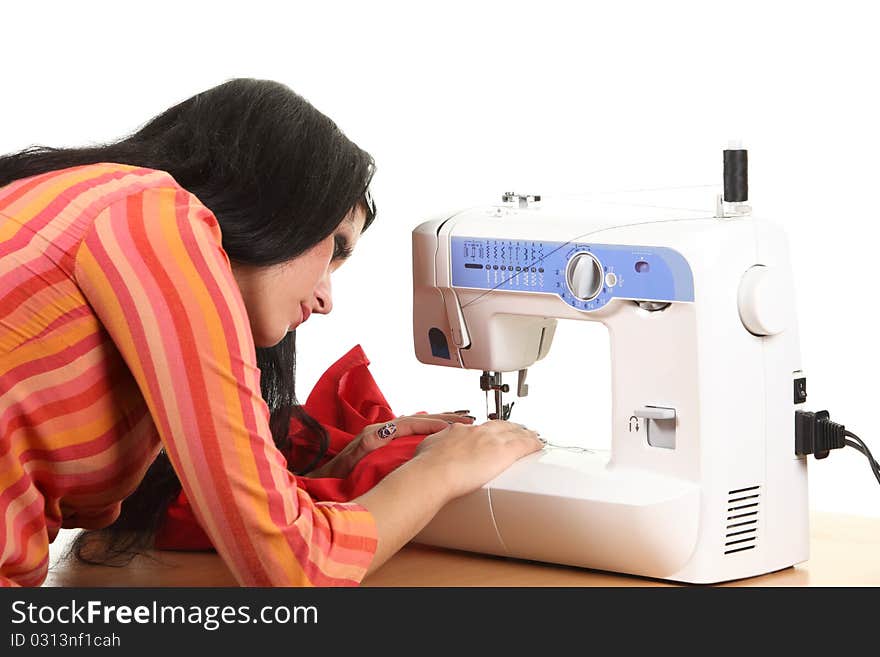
[[280, 298]]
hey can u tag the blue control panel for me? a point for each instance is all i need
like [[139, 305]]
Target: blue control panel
[[648, 273]]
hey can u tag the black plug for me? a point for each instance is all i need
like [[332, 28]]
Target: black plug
[[816, 434]]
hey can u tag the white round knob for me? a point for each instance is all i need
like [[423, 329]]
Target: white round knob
[[584, 276], [764, 303]]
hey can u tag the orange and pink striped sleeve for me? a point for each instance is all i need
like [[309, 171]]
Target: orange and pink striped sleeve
[[153, 268]]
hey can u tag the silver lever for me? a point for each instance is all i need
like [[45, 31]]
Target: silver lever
[[655, 413]]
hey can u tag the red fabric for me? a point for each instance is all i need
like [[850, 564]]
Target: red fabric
[[344, 400]]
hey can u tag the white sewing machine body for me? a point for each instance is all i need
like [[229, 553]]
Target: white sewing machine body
[[702, 483]]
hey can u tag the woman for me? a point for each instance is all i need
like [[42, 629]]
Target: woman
[[149, 294]]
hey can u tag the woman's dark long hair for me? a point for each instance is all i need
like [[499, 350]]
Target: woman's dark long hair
[[279, 176]]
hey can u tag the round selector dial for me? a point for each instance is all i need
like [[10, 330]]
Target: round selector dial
[[764, 301], [584, 276]]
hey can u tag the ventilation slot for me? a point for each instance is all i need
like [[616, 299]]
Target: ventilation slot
[[742, 519]]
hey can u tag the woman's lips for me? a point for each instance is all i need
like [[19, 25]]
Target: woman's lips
[[305, 315]]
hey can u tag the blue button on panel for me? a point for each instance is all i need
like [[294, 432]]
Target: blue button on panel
[[649, 273]]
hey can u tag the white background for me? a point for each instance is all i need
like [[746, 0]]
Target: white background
[[460, 103]]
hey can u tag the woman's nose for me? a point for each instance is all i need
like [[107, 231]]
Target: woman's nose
[[323, 297]]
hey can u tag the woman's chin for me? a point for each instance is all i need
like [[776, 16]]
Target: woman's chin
[[265, 342]]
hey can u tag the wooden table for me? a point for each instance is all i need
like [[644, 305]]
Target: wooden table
[[844, 551]]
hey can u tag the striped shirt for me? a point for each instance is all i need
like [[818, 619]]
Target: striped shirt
[[122, 331]]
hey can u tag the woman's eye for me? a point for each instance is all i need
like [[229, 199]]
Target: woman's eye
[[341, 250]]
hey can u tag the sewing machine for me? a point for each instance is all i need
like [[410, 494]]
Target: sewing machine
[[701, 483]]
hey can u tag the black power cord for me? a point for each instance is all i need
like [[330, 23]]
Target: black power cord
[[816, 434], [863, 448]]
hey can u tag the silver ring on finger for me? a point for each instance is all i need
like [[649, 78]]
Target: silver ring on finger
[[387, 430]]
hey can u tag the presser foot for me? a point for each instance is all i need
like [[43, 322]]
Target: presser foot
[[491, 382]]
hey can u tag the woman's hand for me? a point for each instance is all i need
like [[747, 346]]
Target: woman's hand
[[372, 437], [471, 456]]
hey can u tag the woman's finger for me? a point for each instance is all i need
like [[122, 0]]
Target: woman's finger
[[410, 426], [377, 435], [414, 426]]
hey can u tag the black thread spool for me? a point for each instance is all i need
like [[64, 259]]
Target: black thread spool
[[736, 175]]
